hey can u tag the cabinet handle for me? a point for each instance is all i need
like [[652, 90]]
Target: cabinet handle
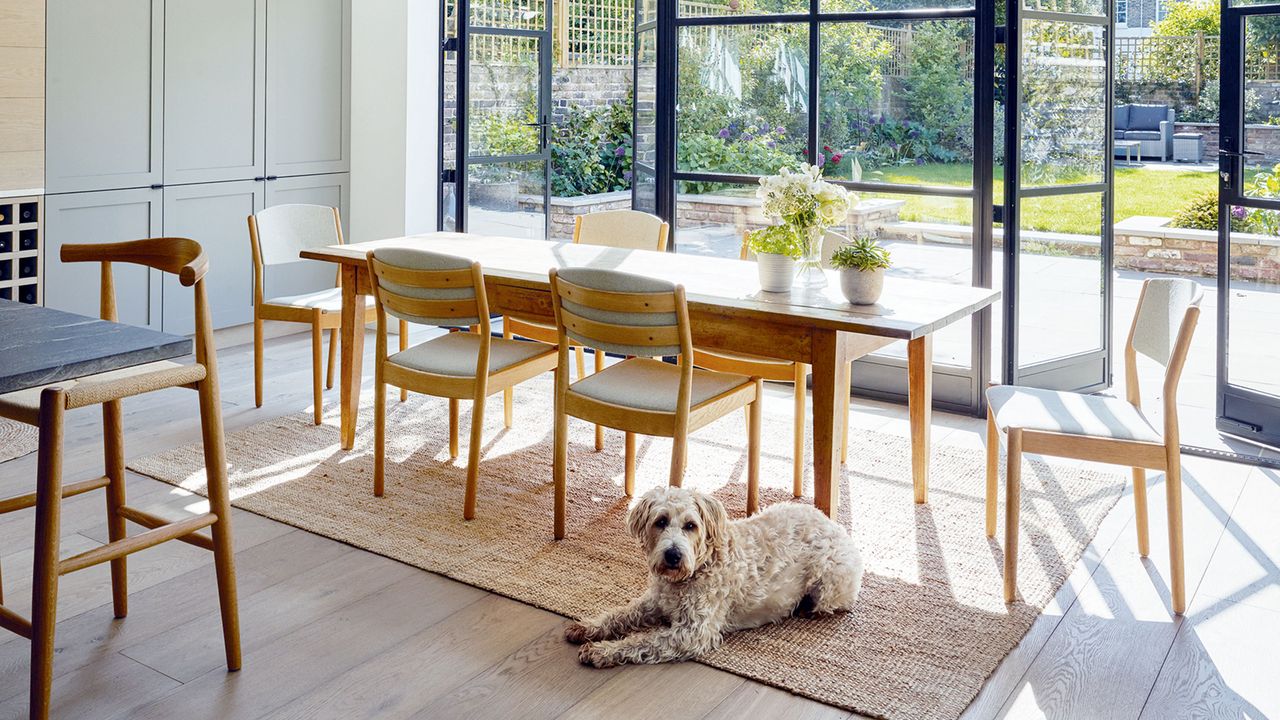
[[272, 177], [260, 178], [158, 186]]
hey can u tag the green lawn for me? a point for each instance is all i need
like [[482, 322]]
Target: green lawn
[[1138, 191]]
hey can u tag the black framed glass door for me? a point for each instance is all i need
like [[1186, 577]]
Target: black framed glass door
[[1248, 219], [1057, 287], [499, 117]]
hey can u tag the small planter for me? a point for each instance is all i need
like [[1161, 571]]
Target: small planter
[[862, 287], [776, 271]]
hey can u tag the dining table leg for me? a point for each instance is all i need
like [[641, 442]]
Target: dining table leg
[[829, 369], [352, 353], [920, 408]]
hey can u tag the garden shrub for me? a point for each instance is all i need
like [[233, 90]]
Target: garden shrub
[[591, 151], [1201, 213], [937, 94]]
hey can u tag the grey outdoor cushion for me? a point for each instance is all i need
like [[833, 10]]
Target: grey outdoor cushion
[[1141, 135], [1069, 413], [456, 353], [647, 384], [1120, 117], [1147, 117], [1119, 134]]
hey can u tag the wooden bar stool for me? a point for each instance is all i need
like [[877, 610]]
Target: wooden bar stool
[[639, 316], [45, 407]]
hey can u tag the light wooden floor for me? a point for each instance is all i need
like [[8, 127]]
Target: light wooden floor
[[332, 631]]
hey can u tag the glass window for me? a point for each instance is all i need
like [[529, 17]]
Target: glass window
[[720, 8], [1063, 104], [742, 98]]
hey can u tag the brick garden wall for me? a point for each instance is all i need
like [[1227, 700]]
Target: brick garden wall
[[1258, 138]]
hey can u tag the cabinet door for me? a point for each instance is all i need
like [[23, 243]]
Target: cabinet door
[[102, 217], [214, 215], [306, 275], [103, 104], [308, 86], [214, 90]]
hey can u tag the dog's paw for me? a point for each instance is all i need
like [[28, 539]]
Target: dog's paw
[[591, 656], [577, 633]]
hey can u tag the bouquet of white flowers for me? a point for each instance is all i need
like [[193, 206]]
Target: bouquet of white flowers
[[810, 205]]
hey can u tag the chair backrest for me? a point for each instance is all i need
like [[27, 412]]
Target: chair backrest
[[627, 229], [621, 313], [280, 232], [1163, 324], [428, 288]]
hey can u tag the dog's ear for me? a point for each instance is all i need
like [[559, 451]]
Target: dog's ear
[[638, 515], [714, 520]]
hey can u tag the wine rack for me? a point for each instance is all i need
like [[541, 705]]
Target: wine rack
[[21, 240]]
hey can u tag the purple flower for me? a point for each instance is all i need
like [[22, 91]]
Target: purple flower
[[822, 159], [622, 150], [724, 133], [780, 130], [919, 161], [626, 175], [771, 144], [747, 137], [1238, 212]]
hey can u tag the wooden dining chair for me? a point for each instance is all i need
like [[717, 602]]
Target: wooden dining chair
[[436, 289], [640, 318], [626, 229], [276, 236], [1104, 429], [782, 371], [45, 407]]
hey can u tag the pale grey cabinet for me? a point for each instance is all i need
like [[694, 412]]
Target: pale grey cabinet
[[215, 215], [214, 90], [103, 94], [308, 86], [102, 217], [303, 276]]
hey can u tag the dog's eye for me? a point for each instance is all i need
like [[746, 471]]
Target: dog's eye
[[690, 527], [660, 523]]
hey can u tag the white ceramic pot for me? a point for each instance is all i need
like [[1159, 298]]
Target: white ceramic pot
[[776, 272], [861, 287]]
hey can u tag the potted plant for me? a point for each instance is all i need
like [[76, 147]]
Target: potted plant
[[809, 205], [776, 248], [861, 262]]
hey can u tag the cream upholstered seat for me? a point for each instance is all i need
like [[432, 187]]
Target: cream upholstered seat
[[1069, 413], [434, 289], [627, 229], [648, 384], [326, 301], [456, 354], [276, 236], [1105, 429], [643, 317]]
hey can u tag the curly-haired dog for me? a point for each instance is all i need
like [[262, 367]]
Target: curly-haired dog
[[710, 576]]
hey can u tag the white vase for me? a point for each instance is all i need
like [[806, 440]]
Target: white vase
[[776, 271], [861, 287]]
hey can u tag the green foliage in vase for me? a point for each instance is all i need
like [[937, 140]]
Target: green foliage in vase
[[776, 240], [862, 253]]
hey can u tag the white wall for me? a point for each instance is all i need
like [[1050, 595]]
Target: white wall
[[394, 55]]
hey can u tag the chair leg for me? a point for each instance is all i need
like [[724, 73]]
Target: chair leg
[[993, 471], [224, 559], [473, 457], [404, 345], [379, 433], [844, 438], [317, 347], [580, 362], [599, 358], [753, 450], [1173, 498], [679, 453], [44, 587], [333, 357], [629, 473], [797, 431], [113, 452], [1140, 510], [453, 428], [1013, 500], [509, 392], [257, 361], [560, 461]]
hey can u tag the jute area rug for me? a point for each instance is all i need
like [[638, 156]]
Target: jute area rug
[[17, 439], [930, 625]]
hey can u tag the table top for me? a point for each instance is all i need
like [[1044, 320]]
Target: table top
[[39, 346], [908, 309]]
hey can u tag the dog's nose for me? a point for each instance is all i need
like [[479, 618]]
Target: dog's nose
[[671, 556]]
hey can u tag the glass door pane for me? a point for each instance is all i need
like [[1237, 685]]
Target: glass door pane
[[506, 108], [1058, 239]]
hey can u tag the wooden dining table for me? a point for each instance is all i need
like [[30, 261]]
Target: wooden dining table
[[727, 312]]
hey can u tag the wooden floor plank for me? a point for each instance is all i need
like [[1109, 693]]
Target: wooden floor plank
[[684, 689], [752, 700]]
